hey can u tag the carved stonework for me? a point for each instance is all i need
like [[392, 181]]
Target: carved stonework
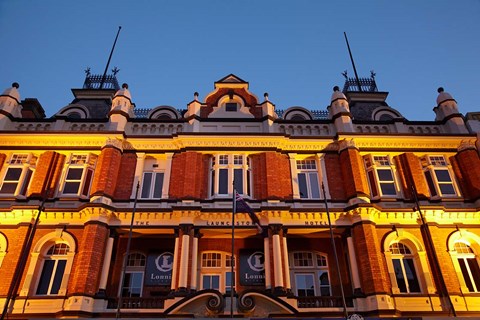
[[346, 144], [467, 145], [115, 142]]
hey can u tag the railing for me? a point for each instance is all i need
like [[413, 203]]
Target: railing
[[137, 303], [94, 81], [366, 85], [323, 302]]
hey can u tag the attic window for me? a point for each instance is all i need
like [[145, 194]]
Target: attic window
[[74, 115], [231, 106]]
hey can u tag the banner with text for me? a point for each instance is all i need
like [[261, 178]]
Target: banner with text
[[159, 269], [252, 268]]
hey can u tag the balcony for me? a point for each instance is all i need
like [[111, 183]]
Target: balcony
[[323, 302]]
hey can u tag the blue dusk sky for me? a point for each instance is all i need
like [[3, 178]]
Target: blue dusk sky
[[294, 50]]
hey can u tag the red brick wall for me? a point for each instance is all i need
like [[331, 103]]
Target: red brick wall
[[370, 260], [468, 163], [15, 241], [124, 185], [47, 174], [189, 176], [334, 176], [353, 173], [3, 157], [87, 268], [440, 240], [271, 176], [106, 172], [411, 172]]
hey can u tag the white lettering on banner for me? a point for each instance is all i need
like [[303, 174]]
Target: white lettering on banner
[[254, 261], [254, 276], [160, 277], [164, 262]]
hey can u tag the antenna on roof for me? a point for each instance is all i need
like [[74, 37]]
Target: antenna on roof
[[353, 64], [109, 58]]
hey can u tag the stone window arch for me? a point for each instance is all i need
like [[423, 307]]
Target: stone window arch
[[3, 247], [464, 249], [50, 265], [407, 263]]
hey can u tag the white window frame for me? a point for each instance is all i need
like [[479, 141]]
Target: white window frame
[[137, 267], [465, 256], [26, 163], [401, 257], [220, 270], [374, 164], [229, 164], [315, 269], [308, 168], [433, 163], [57, 259], [85, 162], [150, 193]]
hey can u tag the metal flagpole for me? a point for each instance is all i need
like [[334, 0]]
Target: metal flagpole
[[127, 252], [23, 260], [353, 63], [109, 58], [345, 313], [232, 259], [429, 241]]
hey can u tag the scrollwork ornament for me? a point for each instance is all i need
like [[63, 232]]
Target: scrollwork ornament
[[215, 303], [246, 303], [355, 316]]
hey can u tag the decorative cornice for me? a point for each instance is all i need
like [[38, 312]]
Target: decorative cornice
[[467, 144]]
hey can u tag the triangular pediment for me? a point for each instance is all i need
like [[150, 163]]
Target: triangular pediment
[[231, 78]]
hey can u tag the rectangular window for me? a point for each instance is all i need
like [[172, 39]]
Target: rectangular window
[[211, 282], [51, 277], [79, 175], [228, 281], [227, 169], [132, 285], [17, 175], [438, 176], [230, 107], [380, 175], [305, 285], [152, 185], [308, 179]]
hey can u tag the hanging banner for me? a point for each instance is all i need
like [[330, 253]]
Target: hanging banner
[[158, 271], [252, 268]]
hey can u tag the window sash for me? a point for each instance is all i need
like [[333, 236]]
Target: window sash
[[471, 273], [51, 276], [152, 185], [228, 168], [405, 274], [308, 185], [305, 285], [211, 281], [132, 284]]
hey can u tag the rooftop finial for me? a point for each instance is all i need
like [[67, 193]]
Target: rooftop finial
[[372, 74], [344, 73], [266, 96], [336, 88], [440, 90], [125, 86], [87, 71], [195, 95], [15, 85], [115, 70]]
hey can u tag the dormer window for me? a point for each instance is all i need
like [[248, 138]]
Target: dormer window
[[231, 106]]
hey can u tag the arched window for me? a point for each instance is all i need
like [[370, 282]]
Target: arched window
[[53, 269], [469, 266], [215, 271], [464, 248], [407, 263], [404, 268], [309, 271], [133, 279], [50, 265]]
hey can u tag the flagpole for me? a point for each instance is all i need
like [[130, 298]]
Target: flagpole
[[232, 259], [127, 252], [345, 313], [429, 244]]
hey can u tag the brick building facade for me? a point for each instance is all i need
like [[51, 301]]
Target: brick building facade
[[108, 208]]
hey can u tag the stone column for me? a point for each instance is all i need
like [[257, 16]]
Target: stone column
[[353, 265], [194, 255], [266, 251], [184, 255], [106, 263], [176, 259], [286, 265], [279, 287]]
